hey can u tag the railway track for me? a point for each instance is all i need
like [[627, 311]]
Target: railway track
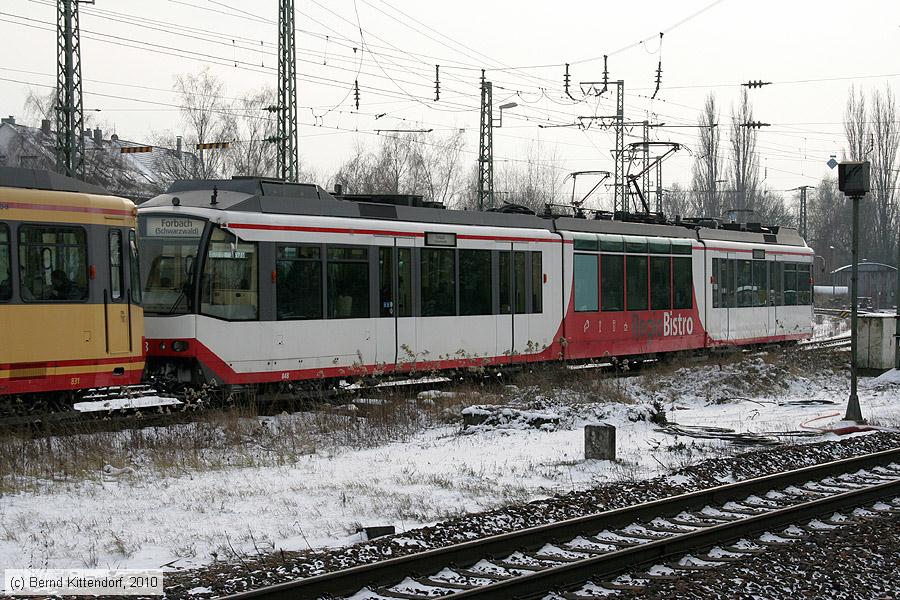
[[835, 342], [575, 559]]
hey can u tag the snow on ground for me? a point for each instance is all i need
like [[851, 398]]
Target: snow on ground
[[132, 515]]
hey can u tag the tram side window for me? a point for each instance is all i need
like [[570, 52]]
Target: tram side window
[[5, 265], [386, 281], [790, 284], [683, 282], [660, 283], [726, 283], [803, 284], [537, 283], [586, 283], [521, 282], [716, 283], [505, 282], [404, 282], [612, 282], [438, 282], [228, 288], [745, 292], [475, 282], [636, 282], [760, 285], [53, 263], [776, 283], [348, 282], [116, 265], [298, 287]]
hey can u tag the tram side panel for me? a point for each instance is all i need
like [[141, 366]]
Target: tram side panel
[[632, 295], [68, 272]]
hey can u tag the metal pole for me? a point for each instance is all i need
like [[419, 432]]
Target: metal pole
[[897, 321], [853, 411]]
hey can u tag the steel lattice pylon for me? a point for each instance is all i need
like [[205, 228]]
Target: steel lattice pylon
[[286, 139], [619, 182], [486, 148], [69, 109]]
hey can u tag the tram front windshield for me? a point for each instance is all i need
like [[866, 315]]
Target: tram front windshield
[[169, 246]]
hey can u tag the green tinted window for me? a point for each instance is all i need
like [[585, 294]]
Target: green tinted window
[[681, 246], [586, 288], [348, 282], [133, 268], [660, 283], [659, 246], [612, 243], [585, 241], [636, 244], [475, 282], [776, 283], [438, 282], [636, 282], [612, 273], [682, 283], [522, 281]]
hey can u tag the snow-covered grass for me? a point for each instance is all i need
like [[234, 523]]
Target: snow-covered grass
[[237, 483]]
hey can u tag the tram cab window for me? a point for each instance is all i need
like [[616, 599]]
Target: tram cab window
[[348, 282], [228, 287], [5, 265], [475, 282], [438, 270], [53, 263], [168, 259], [636, 282], [298, 287]]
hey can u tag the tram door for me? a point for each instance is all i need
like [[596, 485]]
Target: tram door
[[116, 301], [397, 344], [513, 324]]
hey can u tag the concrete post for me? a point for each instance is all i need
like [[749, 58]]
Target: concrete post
[[600, 442]]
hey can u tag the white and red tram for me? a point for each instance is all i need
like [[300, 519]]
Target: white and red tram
[[248, 281]]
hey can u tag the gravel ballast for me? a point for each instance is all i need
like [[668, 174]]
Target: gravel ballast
[[281, 566]]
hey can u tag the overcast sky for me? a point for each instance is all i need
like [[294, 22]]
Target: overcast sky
[[812, 51]]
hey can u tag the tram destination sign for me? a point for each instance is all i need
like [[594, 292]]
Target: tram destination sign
[[173, 227]]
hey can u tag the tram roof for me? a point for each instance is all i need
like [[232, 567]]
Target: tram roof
[[270, 196]]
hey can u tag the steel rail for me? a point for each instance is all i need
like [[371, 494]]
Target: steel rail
[[392, 571], [538, 584]]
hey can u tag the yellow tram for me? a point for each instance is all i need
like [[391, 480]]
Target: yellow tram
[[70, 296]]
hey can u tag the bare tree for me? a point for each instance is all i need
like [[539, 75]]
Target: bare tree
[[677, 201], [250, 153], [855, 125], [743, 170], [707, 168], [828, 231], [885, 142]]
